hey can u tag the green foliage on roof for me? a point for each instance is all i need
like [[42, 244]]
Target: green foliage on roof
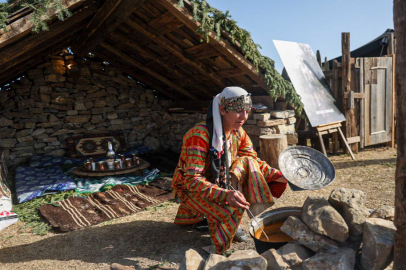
[[39, 15], [212, 19]]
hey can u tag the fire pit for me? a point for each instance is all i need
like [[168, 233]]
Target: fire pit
[[271, 221]]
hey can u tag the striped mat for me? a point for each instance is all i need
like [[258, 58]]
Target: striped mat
[[122, 200]]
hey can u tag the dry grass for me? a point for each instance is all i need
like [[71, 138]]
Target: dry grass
[[149, 238]]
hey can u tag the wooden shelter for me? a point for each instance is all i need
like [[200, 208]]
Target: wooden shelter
[[153, 41]]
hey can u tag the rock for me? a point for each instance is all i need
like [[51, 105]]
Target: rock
[[378, 242], [262, 116], [342, 259], [274, 260], [300, 232], [23, 133], [77, 119], [152, 142], [7, 133], [38, 131], [116, 266], [24, 139], [8, 143], [4, 122], [213, 260], [384, 212], [322, 218], [242, 260], [294, 254], [285, 129], [252, 130], [350, 204], [271, 123], [72, 112], [192, 261]]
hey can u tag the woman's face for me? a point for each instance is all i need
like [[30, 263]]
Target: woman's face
[[233, 120]]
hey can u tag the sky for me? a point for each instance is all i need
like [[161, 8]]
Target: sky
[[318, 23]]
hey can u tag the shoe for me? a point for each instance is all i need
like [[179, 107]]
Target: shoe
[[240, 236], [201, 226]]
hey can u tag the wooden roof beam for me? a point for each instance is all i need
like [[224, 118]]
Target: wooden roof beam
[[228, 73], [174, 49], [126, 40], [136, 64], [202, 51], [184, 15], [35, 44], [23, 26], [139, 77], [165, 23], [106, 20]]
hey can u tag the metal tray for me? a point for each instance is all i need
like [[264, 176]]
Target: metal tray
[[306, 168]]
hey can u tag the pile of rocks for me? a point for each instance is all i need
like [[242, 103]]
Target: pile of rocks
[[274, 122], [335, 230], [338, 233]]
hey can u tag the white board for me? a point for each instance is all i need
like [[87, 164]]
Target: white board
[[309, 82]]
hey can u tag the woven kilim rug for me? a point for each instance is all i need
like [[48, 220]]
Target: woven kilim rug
[[122, 200]]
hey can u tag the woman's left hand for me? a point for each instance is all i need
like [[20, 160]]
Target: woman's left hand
[[281, 179]]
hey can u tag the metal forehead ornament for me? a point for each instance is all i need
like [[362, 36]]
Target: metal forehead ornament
[[237, 104]]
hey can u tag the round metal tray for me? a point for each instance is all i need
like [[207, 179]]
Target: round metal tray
[[306, 168]]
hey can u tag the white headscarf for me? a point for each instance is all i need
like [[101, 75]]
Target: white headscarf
[[218, 138]]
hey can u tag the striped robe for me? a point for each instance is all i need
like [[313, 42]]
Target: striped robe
[[200, 197]]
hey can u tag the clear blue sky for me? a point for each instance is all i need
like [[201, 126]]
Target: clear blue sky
[[315, 22]]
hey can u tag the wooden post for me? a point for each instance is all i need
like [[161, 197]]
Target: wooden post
[[350, 123], [391, 51], [326, 64], [391, 44], [318, 55], [399, 18], [271, 146]]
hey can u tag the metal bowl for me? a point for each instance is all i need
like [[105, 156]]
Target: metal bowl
[[270, 217], [306, 168]]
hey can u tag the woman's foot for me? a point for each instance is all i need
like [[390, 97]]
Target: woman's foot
[[201, 226], [240, 236]]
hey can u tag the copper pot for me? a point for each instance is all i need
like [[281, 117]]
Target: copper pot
[[101, 166], [128, 162], [117, 165]]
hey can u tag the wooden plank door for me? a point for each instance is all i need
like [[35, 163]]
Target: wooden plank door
[[377, 106]]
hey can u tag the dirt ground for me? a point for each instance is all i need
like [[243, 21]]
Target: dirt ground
[[149, 238]]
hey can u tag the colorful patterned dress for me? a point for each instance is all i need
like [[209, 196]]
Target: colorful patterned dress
[[200, 196]]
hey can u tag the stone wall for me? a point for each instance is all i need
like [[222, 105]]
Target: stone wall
[[66, 96]]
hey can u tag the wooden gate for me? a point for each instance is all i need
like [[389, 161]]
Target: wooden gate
[[376, 109]]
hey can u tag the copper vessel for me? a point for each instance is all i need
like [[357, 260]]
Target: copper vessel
[[101, 166], [117, 165], [128, 162]]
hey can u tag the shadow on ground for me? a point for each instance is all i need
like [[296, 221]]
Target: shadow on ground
[[118, 243], [357, 163]]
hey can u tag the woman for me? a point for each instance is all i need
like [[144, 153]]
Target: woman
[[212, 151]]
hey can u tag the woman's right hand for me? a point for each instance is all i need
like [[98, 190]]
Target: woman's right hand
[[237, 199]]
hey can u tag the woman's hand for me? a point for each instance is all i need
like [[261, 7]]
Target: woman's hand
[[237, 199], [281, 179]]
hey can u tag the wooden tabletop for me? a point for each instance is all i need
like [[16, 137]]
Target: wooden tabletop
[[81, 171]]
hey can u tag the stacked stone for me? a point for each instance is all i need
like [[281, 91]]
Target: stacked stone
[[181, 123], [274, 122], [67, 96]]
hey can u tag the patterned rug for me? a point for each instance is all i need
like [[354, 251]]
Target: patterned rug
[[76, 212]]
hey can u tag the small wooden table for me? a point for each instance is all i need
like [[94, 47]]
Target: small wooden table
[[81, 171]]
